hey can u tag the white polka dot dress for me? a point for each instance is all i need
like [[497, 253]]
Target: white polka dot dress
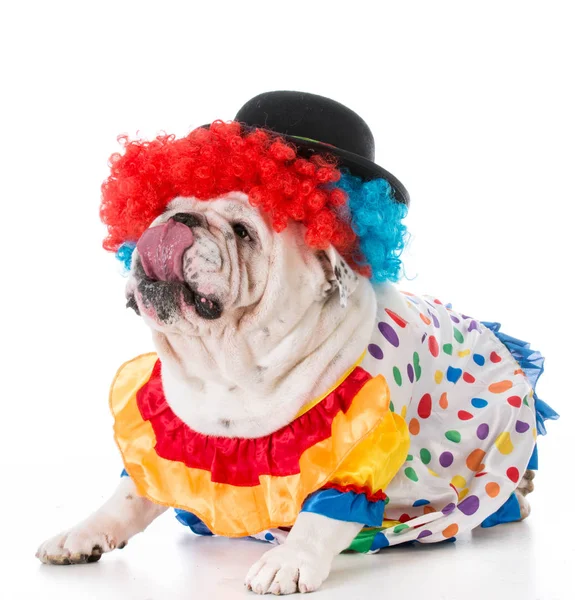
[[470, 411]]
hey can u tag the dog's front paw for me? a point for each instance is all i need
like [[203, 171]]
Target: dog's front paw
[[84, 543], [288, 569]]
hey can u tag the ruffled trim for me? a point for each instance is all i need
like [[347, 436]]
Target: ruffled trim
[[242, 461], [190, 520], [366, 433], [372, 496], [532, 364], [345, 506], [508, 513]]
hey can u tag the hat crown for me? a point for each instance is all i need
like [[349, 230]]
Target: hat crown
[[312, 117]]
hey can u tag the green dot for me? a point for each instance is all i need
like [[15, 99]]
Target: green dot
[[409, 457], [425, 456], [458, 335], [453, 436], [400, 528], [391, 407], [397, 376], [416, 366], [411, 474], [525, 401], [448, 349]]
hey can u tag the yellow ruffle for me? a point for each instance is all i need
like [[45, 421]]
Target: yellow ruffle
[[368, 445]]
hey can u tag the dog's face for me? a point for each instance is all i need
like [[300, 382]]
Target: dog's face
[[202, 267], [246, 321]]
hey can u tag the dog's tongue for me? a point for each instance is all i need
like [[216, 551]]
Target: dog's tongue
[[161, 249]]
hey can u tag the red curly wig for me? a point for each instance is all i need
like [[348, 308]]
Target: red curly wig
[[212, 161]]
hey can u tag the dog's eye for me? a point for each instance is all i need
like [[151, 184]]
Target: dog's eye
[[241, 231]]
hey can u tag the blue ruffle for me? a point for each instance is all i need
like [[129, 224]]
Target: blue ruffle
[[345, 506], [190, 520], [508, 513], [532, 363]]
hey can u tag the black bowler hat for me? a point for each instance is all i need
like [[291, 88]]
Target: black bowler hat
[[317, 124]]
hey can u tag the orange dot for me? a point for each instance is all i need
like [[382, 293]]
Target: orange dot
[[474, 459], [425, 319], [492, 489], [500, 386], [414, 427], [450, 531], [443, 401], [428, 509]]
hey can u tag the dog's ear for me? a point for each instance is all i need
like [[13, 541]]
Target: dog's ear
[[339, 275]]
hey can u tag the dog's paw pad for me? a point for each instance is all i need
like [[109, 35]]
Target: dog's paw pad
[[286, 570]]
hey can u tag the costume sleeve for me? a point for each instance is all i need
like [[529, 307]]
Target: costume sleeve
[[356, 492]]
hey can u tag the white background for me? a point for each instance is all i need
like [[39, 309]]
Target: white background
[[472, 107]]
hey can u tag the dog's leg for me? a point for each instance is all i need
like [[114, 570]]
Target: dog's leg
[[111, 526], [304, 561], [526, 486]]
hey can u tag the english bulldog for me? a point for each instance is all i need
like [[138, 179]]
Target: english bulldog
[[339, 411]]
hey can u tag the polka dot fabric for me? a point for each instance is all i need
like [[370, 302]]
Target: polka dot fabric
[[470, 412], [471, 415]]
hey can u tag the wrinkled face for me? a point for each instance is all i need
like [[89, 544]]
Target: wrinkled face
[[202, 266]]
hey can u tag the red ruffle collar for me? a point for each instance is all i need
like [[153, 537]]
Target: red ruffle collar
[[240, 461]]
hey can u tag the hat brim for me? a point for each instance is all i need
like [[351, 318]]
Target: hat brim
[[356, 164]]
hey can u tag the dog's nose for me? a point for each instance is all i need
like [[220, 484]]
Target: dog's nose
[[161, 250], [191, 219]]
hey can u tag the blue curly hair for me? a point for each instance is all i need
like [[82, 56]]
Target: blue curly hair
[[124, 254], [376, 218]]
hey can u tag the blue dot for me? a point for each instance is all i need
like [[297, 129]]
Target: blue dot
[[478, 359], [379, 541], [453, 374], [479, 402], [421, 502], [269, 537]]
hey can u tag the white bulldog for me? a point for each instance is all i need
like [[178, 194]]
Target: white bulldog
[[249, 325]]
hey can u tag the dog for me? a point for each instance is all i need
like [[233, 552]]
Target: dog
[[249, 324]]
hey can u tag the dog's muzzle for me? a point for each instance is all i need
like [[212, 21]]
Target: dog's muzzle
[[161, 251]]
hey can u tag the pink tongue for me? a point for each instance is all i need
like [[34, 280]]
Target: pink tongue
[[161, 249]]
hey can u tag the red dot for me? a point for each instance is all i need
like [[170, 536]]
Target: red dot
[[495, 357], [404, 517], [437, 301], [514, 401], [468, 377], [424, 407], [464, 415], [513, 474], [433, 346], [401, 322]]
